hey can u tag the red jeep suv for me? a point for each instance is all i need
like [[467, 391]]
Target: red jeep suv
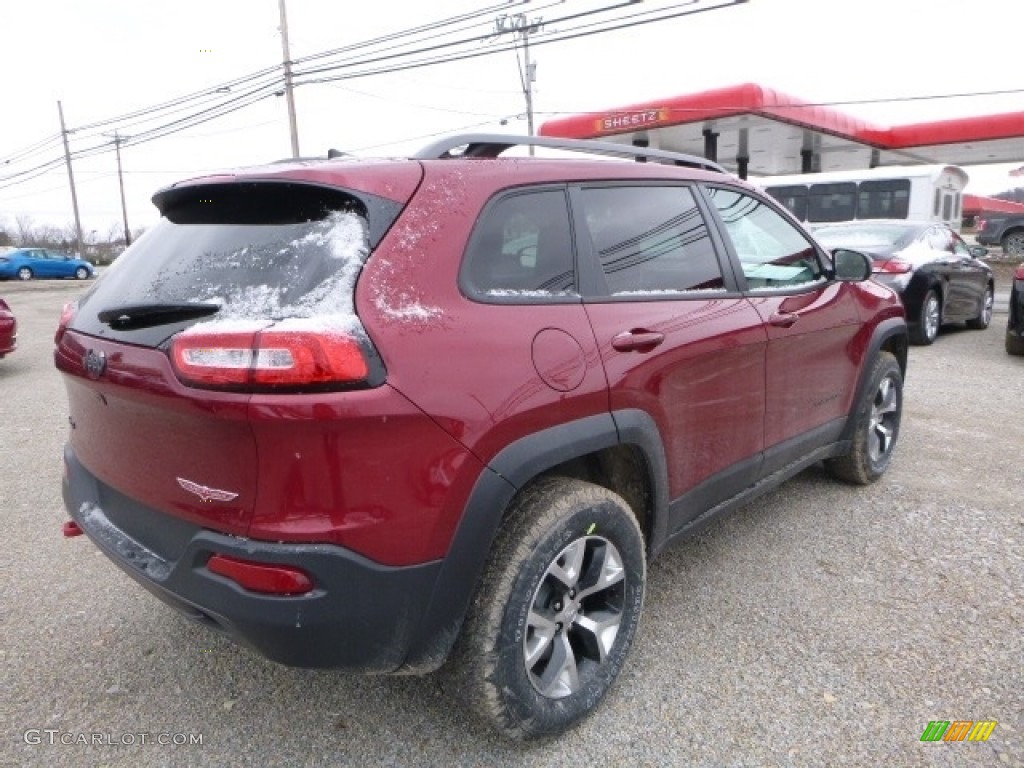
[[380, 415]]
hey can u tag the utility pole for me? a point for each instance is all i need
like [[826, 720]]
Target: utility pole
[[71, 178], [518, 24], [120, 180], [288, 88]]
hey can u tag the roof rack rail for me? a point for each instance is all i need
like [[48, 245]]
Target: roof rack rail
[[491, 145]]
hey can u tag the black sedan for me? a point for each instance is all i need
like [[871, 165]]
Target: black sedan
[[938, 276], [1015, 323]]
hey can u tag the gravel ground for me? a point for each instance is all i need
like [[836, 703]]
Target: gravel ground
[[821, 626]]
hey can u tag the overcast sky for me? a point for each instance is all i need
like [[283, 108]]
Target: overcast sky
[[105, 58]]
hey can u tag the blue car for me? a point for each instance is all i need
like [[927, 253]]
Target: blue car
[[26, 263]]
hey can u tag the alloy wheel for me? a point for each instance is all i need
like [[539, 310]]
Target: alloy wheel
[[931, 316], [885, 409], [574, 616]]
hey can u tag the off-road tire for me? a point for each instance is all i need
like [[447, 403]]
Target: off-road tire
[[877, 425], [491, 669]]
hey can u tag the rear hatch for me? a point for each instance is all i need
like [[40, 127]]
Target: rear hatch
[[242, 287]]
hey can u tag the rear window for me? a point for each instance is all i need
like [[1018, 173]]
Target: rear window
[[261, 254]]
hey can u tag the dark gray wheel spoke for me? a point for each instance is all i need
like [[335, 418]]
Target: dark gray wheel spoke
[[560, 677], [597, 632], [884, 416], [569, 564], [607, 570], [540, 632], [889, 400]]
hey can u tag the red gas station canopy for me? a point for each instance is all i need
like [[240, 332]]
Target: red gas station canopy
[[778, 134]]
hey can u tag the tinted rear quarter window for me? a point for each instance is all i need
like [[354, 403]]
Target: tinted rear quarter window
[[522, 247]]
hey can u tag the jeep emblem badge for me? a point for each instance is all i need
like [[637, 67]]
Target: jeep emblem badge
[[95, 363]]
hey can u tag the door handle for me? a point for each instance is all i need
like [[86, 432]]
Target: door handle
[[637, 341], [783, 319]]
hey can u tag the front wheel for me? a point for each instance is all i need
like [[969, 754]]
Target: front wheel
[[24, 273], [877, 425], [929, 320], [555, 612], [81, 273]]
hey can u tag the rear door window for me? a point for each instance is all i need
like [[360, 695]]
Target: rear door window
[[650, 240]]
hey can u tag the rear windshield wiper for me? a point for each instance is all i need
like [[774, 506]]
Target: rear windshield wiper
[[148, 315]]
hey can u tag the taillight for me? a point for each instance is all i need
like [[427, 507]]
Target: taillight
[[980, 224], [892, 267], [66, 316], [268, 359], [267, 578], [1019, 273]]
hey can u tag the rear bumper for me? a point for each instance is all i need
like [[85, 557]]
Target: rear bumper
[[360, 615], [987, 239]]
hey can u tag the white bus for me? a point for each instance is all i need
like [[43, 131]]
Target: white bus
[[919, 192]]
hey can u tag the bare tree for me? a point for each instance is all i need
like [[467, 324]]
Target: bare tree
[[25, 229]]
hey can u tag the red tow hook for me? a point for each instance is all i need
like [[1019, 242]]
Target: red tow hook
[[70, 528]]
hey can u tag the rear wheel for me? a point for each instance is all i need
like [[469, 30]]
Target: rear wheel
[[555, 612], [984, 317], [1014, 344], [1013, 244], [877, 425], [929, 320], [24, 273]]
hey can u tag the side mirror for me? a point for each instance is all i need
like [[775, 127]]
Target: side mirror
[[851, 266], [978, 251]]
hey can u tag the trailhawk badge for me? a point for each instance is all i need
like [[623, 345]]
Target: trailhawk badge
[[204, 493]]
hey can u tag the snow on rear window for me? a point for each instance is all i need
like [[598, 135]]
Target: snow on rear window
[[309, 282]]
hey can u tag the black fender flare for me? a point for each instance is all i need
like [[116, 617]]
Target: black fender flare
[[893, 327], [510, 470]]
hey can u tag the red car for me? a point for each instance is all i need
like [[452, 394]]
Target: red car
[[8, 330], [383, 414]]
